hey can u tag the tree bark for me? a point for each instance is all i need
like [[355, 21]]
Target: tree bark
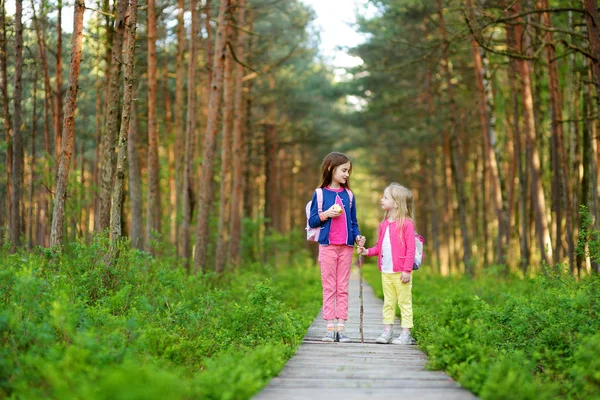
[[6, 192], [210, 140], [225, 190], [129, 79], [491, 164], [174, 238], [58, 112], [58, 214], [111, 127], [557, 132], [17, 139], [454, 149], [189, 138], [239, 150], [592, 19], [179, 117], [136, 234], [153, 220], [537, 193], [209, 46], [32, 161]]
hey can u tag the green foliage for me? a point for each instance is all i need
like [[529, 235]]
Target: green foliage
[[508, 338], [73, 327]]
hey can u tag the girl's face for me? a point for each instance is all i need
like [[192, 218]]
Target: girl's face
[[387, 203], [341, 174]]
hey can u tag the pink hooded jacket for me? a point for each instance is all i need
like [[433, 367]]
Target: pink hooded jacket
[[403, 251]]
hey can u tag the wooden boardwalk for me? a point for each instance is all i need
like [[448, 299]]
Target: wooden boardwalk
[[357, 370]]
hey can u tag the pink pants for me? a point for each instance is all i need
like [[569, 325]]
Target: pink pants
[[335, 262]]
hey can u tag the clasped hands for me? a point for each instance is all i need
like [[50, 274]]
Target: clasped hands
[[360, 241]]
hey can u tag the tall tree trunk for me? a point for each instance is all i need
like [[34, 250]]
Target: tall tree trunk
[[17, 139], [109, 27], [111, 124], [537, 193], [58, 111], [179, 117], [454, 149], [209, 46], [153, 206], [270, 167], [589, 182], [58, 214], [32, 161], [491, 165], [6, 192], [47, 86], [519, 153], [136, 234], [592, 19], [129, 78], [189, 138], [171, 159], [239, 150], [557, 132], [210, 140], [225, 190]]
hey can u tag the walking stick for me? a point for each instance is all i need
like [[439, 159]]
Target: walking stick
[[360, 296]]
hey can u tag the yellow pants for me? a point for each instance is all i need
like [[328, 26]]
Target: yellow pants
[[396, 292]]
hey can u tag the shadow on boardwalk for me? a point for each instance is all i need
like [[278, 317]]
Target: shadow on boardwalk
[[359, 370]]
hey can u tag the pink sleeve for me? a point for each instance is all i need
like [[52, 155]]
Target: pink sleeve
[[409, 238]]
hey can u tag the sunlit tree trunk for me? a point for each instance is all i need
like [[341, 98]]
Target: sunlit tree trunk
[[537, 193], [58, 214], [117, 194], [153, 218], [226, 153], [190, 132], [111, 125], [17, 137], [206, 189], [592, 19], [454, 150], [58, 111], [179, 117], [32, 162], [491, 164], [557, 132], [589, 182], [239, 150], [136, 233], [171, 157]]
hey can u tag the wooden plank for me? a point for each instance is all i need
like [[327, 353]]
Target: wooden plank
[[357, 370]]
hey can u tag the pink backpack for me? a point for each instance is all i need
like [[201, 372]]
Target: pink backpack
[[312, 234]]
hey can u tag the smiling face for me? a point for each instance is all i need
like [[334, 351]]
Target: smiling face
[[341, 174], [387, 203]]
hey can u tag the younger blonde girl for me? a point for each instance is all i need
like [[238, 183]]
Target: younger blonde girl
[[395, 249]]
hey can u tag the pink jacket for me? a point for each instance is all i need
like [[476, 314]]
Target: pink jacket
[[403, 251]]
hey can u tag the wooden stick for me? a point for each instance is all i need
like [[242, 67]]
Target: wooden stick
[[360, 295]]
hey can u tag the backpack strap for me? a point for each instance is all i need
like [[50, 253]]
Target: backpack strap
[[319, 192], [351, 195]]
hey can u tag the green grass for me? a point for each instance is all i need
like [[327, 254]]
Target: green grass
[[72, 328], [509, 338]]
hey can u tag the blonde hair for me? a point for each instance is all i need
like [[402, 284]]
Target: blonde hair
[[404, 201]]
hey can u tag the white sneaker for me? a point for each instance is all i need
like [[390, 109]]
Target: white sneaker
[[404, 338], [330, 336], [385, 337]]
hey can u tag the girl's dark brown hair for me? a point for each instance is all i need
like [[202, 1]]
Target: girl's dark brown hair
[[329, 164]]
